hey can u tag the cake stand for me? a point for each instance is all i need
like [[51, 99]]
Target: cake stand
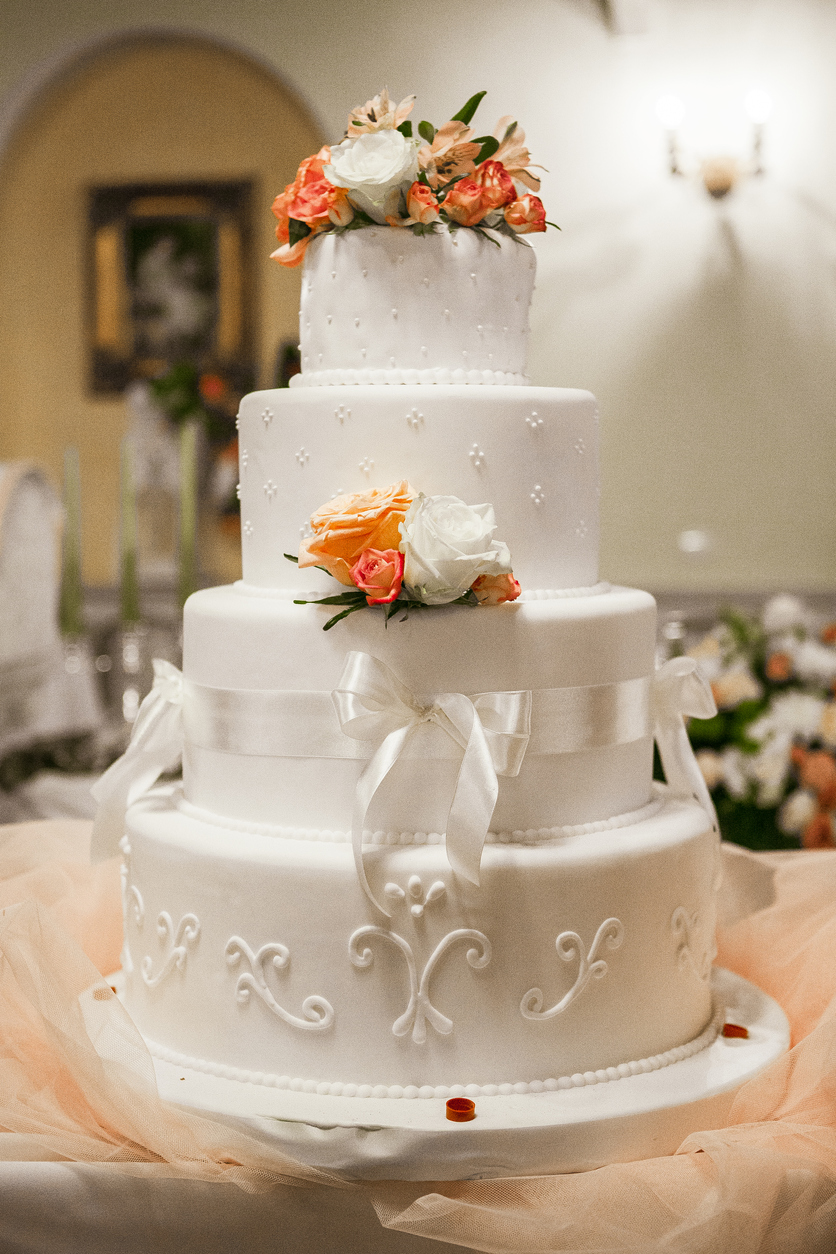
[[577, 1129]]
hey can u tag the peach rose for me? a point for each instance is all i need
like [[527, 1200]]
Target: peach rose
[[421, 204], [345, 527], [310, 171], [464, 203], [379, 575], [496, 183], [496, 589], [526, 215]]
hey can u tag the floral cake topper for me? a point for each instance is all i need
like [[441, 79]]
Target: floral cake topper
[[382, 174], [403, 550]]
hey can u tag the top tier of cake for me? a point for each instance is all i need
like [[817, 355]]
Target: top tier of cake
[[382, 306]]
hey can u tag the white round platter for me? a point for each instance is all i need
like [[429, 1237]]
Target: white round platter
[[548, 1133]]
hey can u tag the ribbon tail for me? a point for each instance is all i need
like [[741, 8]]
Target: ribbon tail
[[472, 806], [682, 770], [367, 785], [157, 749]]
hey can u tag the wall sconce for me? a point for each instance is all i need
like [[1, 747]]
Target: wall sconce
[[719, 174]]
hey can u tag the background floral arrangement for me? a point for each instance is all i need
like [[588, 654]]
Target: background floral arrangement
[[382, 174], [400, 549], [769, 754]]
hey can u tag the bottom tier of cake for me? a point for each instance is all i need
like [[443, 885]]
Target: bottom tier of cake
[[258, 957]]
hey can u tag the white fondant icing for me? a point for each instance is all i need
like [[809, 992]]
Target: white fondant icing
[[445, 301], [379, 447], [238, 883], [411, 1091]]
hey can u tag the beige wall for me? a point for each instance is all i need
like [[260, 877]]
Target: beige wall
[[150, 111], [707, 330]]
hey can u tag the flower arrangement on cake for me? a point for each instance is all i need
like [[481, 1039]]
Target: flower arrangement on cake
[[382, 174], [402, 550], [769, 754]]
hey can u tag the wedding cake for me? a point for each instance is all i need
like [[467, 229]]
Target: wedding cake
[[418, 854]]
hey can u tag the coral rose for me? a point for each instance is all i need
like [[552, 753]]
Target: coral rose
[[464, 203], [379, 575], [497, 185], [526, 215], [496, 589], [421, 204], [345, 527]]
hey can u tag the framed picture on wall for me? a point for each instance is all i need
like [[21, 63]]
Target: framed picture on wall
[[170, 281]]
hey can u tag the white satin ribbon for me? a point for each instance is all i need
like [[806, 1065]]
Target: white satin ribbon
[[492, 732], [681, 689], [156, 745]]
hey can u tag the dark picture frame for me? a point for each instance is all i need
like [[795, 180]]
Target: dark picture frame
[[170, 279]]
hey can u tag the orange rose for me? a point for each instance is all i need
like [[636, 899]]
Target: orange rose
[[526, 215], [345, 527], [379, 575], [496, 183], [310, 171], [464, 203], [496, 589], [421, 204]]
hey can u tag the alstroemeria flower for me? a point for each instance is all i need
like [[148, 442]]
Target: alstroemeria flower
[[378, 114], [513, 153], [450, 154]]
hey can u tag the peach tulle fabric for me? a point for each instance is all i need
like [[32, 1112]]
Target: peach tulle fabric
[[76, 1081]]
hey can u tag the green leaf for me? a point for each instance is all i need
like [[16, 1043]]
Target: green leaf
[[466, 114], [423, 228], [291, 558], [298, 230], [489, 146], [481, 231], [554, 224], [427, 131], [405, 129], [351, 610], [354, 597]]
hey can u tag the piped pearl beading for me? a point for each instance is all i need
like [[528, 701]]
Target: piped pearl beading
[[529, 836], [325, 1088], [377, 378]]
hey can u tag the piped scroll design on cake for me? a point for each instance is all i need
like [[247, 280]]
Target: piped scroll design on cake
[[570, 946], [689, 953], [415, 890], [420, 1010], [188, 930], [319, 1013]]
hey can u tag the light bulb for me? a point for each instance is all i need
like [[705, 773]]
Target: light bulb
[[758, 105], [670, 111]]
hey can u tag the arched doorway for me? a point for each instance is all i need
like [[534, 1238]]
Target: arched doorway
[[157, 108]]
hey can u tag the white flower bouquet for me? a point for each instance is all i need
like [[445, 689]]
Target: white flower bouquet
[[769, 754]]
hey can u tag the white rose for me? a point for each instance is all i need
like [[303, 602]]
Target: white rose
[[448, 544], [374, 167], [797, 811], [783, 613]]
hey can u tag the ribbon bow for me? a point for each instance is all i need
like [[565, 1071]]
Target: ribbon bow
[[492, 731], [156, 745], [680, 689]]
